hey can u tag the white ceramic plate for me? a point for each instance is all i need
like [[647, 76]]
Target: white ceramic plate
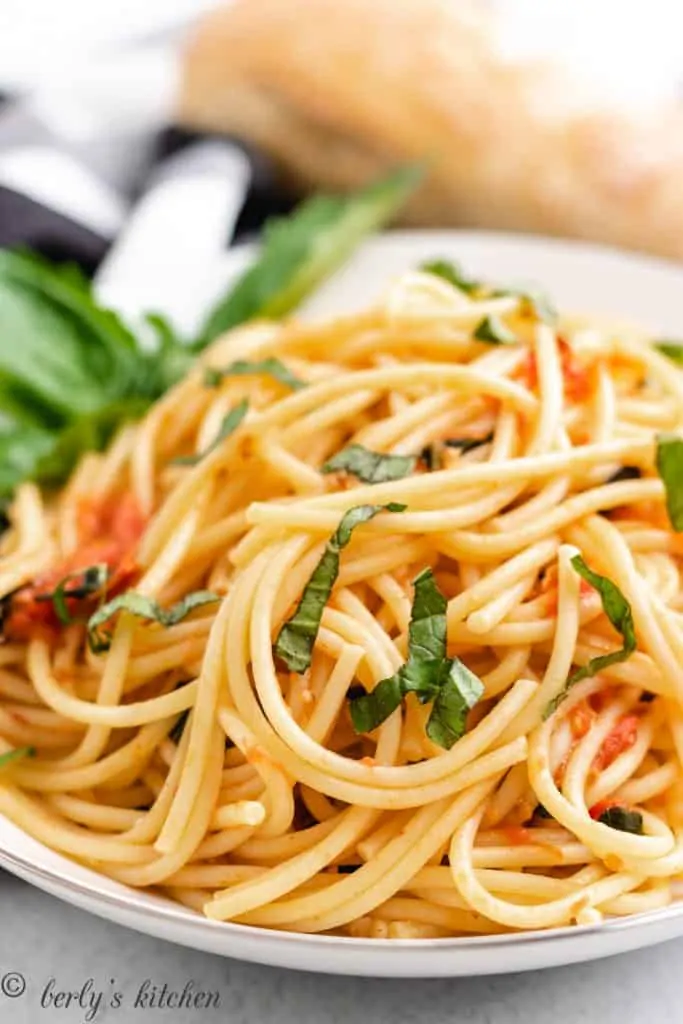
[[579, 277]]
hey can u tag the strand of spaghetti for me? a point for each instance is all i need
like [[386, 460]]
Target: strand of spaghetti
[[468, 545], [122, 716], [110, 690], [556, 912], [278, 788], [203, 727], [298, 741], [196, 823], [656, 842], [377, 880]]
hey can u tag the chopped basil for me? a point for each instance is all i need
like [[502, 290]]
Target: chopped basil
[[618, 611], [295, 641], [370, 467], [144, 608], [428, 673], [271, 367], [89, 582], [493, 331], [453, 273], [228, 426], [669, 462], [625, 473], [623, 819], [16, 755], [467, 444], [672, 349]]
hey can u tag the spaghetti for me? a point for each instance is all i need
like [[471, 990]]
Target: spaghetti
[[511, 591]]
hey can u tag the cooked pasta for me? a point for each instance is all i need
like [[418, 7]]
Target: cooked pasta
[[371, 627]]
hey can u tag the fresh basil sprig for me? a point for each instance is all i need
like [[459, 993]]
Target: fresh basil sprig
[[428, 673], [669, 462], [619, 612], [16, 755], [300, 251], [87, 583], [370, 467], [271, 367], [143, 608], [72, 372], [623, 819], [296, 639], [229, 425]]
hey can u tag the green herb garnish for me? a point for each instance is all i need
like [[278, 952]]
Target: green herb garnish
[[618, 611], [72, 373], [672, 349], [669, 462], [623, 819], [533, 301], [295, 641], [453, 273], [428, 673], [493, 331], [302, 250], [88, 582], [467, 444], [244, 367], [144, 608], [370, 467], [16, 755], [229, 425]]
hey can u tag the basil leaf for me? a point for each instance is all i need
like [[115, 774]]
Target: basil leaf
[[618, 611], [302, 250], [295, 641], [243, 367], [669, 462], [467, 444], [623, 819], [90, 581], [453, 273], [493, 331], [427, 673], [672, 349], [228, 426], [370, 467], [144, 608], [16, 755], [457, 695]]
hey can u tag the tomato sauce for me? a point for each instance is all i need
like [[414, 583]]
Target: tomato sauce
[[621, 738], [108, 531]]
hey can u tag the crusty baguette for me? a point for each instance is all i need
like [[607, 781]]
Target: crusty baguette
[[339, 90]]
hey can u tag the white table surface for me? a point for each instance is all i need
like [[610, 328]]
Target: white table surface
[[41, 938]]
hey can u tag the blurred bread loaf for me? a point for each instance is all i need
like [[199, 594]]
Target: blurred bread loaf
[[336, 91]]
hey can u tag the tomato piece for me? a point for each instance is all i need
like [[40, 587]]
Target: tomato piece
[[597, 810], [581, 718], [108, 532], [621, 738]]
